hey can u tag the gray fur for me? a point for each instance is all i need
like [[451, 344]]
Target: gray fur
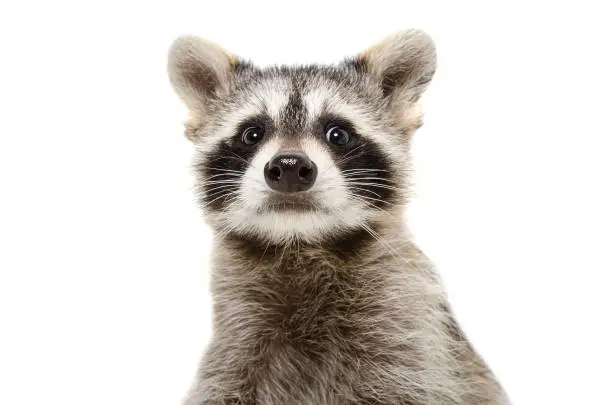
[[342, 313]]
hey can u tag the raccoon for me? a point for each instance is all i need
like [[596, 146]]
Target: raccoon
[[320, 295]]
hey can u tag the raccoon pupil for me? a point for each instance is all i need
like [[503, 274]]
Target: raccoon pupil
[[338, 135]]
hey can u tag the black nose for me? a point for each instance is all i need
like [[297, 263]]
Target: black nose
[[290, 172]]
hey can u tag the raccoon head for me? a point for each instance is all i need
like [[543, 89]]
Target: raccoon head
[[303, 153]]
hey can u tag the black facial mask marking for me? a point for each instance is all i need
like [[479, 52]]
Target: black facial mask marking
[[362, 163], [221, 171]]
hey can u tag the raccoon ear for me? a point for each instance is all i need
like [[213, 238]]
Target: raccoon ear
[[200, 71], [403, 64]]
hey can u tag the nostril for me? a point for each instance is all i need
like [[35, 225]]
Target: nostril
[[305, 173], [275, 172]]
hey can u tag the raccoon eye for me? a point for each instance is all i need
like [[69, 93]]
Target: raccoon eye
[[338, 135], [252, 135]]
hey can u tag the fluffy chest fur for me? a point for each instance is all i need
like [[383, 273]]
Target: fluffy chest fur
[[317, 326]]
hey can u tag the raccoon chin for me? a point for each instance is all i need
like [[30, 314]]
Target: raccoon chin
[[307, 224], [292, 203]]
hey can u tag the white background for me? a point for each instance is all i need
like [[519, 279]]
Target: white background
[[103, 253]]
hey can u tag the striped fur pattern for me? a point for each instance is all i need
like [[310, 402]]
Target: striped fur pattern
[[320, 297]]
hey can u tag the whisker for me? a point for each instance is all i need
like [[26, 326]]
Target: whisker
[[223, 181], [238, 182], [353, 150], [358, 177], [223, 189], [238, 158], [356, 198], [365, 189], [225, 170], [375, 199], [347, 157], [344, 158], [372, 185], [385, 245], [364, 169], [221, 196], [224, 174]]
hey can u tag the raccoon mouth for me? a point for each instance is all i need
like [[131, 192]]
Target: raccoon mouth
[[290, 203]]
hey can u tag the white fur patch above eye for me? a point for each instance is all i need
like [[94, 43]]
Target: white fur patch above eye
[[317, 100], [274, 96]]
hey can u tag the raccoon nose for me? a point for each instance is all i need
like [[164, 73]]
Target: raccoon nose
[[290, 172]]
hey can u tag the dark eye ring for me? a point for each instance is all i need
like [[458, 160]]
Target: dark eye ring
[[252, 135], [337, 134]]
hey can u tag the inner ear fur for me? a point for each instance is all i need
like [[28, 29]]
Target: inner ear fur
[[403, 65], [200, 72]]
